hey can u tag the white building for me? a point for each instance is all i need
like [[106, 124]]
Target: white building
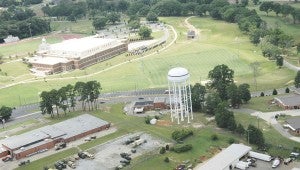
[[227, 159], [75, 53]]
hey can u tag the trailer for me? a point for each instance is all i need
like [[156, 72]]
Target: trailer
[[242, 165], [260, 156]]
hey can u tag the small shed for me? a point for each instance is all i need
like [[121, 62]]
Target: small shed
[[191, 34], [294, 125]]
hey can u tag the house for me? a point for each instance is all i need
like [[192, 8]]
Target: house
[[291, 101], [294, 125]]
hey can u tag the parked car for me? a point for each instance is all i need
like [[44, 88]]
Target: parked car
[[7, 158], [287, 161]]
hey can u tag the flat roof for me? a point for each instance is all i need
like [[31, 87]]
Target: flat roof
[[159, 100], [66, 129], [17, 141], [81, 44], [79, 124], [226, 157], [48, 60], [289, 100], [294, 122]]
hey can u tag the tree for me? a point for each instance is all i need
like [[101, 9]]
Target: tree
[[93, 90], [276, 8], [5, 112], [287, 90], [46, 103], [198, 94], [255, 2], [145, 32], [233, 95], [286, 10], [274, 92], [225, 118], [152, 17], [266, 6], [245, 92], [262, 94], [63, 99], [279, 61], [134, 24], [168, 8], [211, 103], [80, 89], [113, 17], [296, 15], [297, 80], [99, 23], [255, 136], [240, 129], [220, 78]]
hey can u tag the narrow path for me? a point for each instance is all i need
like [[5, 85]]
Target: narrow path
[[99, 72], [190, 26]]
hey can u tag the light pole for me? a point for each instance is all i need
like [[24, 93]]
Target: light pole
[[29, 24], [248, 134]]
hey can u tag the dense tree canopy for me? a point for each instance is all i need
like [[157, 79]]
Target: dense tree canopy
[[5, 112], [198, 97]]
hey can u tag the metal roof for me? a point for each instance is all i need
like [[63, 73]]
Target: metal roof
[[226, 157], [159, 100], [289, 100], [66, 129], [294, 122]]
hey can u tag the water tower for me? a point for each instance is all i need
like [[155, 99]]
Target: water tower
[[180, 94]]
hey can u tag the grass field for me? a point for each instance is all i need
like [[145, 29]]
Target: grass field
[[203, 146], [218, 43], [79, 27]]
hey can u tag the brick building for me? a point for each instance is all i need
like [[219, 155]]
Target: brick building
[[45, 138], [75, 54]]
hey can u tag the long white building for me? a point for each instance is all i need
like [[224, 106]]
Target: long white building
[[75, 53]]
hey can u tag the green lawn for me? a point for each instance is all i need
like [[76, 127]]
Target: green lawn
[[262, 104], [79, 27], [25, 46], [219, 43]]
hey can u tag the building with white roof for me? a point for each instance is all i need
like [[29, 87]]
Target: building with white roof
[[75, 53], [44, 138], [227, 158]]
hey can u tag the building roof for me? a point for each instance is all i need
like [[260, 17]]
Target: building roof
[[294, 123], [24, 139], [143, 103], [66, 129], [226, 157], [79, 124], [48, 60], [289, 100], [159, 100]]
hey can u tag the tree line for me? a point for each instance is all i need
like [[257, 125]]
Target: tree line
[[66, 98], [21, 22], [220, 94], [7, 3]]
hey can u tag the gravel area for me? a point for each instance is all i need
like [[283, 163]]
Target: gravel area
[[107, 156]]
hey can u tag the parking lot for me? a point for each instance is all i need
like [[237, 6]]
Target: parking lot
[[262, 165], [107, 156]]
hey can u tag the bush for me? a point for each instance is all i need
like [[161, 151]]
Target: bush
[[262, 94], [147, 119], [162, 150], [182, 148], [214, 137], [275, 92], [231, 140], [156, 117], [166, 159], [179, 135], [287, 90]]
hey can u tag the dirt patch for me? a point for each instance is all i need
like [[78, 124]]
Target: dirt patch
[[70, 36], [163, 123]]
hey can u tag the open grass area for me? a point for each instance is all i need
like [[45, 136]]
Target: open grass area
[[14, 126], [280, 145], [79, 27], [25, 46], [262, 104], [218, 43]]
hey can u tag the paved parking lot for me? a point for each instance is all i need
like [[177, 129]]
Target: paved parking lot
[[262, 165]]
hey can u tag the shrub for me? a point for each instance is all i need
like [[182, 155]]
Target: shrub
[[166, 159], [162, 150], [147, 119], [214, 137], [287, 90], [167, 147], [181, 134], [275, 92], [231, 140], [262, 94], [156, 117], [182, 148]]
